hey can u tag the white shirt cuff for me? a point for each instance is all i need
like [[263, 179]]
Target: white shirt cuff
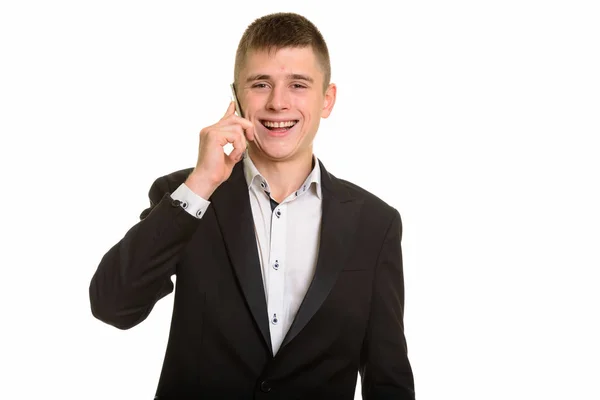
[[190, 201]]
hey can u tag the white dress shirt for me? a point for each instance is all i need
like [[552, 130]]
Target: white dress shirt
[[287, 237]]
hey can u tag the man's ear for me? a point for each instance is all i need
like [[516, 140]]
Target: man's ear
[[329, 100]]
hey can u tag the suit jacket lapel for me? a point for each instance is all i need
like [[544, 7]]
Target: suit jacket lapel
[[234, 214], [338, 226]]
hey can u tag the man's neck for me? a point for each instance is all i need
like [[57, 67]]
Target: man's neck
[[284, 177]]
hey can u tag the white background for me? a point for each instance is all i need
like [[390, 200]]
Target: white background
[[478, 120]]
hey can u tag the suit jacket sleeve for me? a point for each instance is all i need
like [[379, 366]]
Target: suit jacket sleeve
[[136, 272], [385, 369]]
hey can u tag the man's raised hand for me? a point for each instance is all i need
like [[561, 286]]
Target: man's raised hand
[[214, 166]]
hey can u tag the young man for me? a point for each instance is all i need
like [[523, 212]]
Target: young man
[[289, 280]]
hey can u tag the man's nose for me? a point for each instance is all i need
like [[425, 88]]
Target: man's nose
[[279, 99]]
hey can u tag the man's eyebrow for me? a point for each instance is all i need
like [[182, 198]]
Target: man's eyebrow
[[261, 77], [300, 77]]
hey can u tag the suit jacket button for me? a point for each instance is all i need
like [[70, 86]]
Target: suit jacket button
[[265, 387], [175, 203]]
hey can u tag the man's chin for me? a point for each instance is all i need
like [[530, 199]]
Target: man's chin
[[272, 153]]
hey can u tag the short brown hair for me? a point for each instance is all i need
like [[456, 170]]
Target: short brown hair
[[276, 31]]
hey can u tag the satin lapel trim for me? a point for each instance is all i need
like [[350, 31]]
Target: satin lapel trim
[[338, 227], [234, 214]]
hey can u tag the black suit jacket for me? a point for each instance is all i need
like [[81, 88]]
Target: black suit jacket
[[219, 344]]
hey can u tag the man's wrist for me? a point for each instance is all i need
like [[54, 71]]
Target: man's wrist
[[201, 186]]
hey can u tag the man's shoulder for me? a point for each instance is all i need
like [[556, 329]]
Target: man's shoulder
[[369, 200], [171, 181]]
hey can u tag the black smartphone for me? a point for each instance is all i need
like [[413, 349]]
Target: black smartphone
[[238, 109]]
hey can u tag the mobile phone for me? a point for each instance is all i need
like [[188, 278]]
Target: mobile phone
[[238, 109]]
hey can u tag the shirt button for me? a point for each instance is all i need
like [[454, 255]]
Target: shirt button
[[263, 184], [184, 204], [199, 213], [175, 203], [278, 213], [274, 321], [265, 387], [276, 265]]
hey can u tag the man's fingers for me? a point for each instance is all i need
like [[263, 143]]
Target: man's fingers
[[233, 135], [230, 110], [239, 146], [234, 119], [246, 125], [225, 131], [235, 156], [249, 133]]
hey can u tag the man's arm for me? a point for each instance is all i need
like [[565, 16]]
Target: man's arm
[[135, 273], [385, 369]]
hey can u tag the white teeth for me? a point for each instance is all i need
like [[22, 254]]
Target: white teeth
[[286, 124]]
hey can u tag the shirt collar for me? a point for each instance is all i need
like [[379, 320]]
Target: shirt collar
[[252, 175]]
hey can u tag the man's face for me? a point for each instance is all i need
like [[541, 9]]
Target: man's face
[[281, 93]]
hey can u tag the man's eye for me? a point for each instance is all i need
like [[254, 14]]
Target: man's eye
[[259, 85], [298, 86]]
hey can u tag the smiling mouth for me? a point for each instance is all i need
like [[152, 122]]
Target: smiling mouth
[[282, 126]]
